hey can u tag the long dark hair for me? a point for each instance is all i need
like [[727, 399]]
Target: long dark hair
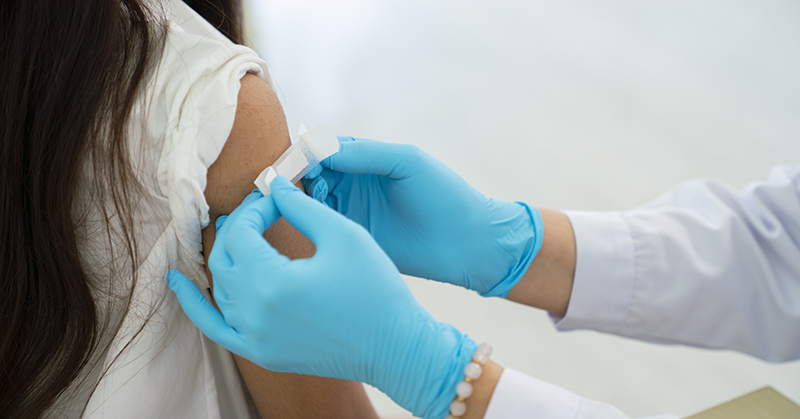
[[71, 73]]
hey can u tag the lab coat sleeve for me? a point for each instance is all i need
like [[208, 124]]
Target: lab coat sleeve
[[519, 396], [702, 265]]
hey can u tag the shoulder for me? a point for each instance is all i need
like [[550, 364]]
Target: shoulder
[[210, 109], [206, 99]]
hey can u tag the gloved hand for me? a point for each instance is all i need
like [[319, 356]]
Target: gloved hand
[[428, 219], [343, 313]]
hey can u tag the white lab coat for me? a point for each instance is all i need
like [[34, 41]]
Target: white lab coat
[[702, 265]]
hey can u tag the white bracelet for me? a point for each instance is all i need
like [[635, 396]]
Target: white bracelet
[[472, 372]]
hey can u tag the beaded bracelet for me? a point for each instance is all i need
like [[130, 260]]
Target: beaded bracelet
[[472, 372]]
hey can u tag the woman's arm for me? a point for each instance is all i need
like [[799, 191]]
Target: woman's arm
[[258, 137]]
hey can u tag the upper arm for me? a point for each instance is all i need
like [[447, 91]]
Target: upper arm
[[258, 137]]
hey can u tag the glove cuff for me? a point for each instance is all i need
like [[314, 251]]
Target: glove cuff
[[531, 247], [444, 386], [421, 369]]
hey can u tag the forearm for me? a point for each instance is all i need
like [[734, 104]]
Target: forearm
[[548, 282]]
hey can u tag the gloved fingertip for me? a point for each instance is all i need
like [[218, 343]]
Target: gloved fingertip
[[307, 185], [281, 183], [220, 221], [172, 278], [326, 162], [319, 189], [252, 196], [314, 173]]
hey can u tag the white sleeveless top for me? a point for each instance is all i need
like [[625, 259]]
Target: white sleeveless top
[[179, 126]]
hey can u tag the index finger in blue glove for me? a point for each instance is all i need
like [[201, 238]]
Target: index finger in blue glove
[[244, 239], [326, 162], [202, 313], [375, 157], [315, 220], [316, 170]]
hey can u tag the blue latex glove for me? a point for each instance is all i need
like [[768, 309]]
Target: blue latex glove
[[428, 219], [343, 313]]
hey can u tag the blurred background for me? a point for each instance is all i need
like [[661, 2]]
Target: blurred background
[[567, 105]]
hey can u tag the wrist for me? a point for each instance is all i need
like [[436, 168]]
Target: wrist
[[548, 282], [443, 382], [523, 238], [473, 386], [483, 390]]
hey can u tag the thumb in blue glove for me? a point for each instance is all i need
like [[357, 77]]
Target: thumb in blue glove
[[343, 313]]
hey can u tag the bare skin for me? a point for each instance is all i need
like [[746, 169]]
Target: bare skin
[[258, 137]]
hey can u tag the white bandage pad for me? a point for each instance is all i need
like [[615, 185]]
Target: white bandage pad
[[311, 148]]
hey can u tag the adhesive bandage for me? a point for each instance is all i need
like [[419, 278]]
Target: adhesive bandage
[[303, 155]]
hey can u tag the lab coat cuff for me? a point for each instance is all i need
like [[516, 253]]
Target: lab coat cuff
[[519, 396], [602, 291]]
